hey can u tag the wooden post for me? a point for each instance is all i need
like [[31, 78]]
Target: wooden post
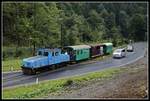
[[37, 80], [11, 68]]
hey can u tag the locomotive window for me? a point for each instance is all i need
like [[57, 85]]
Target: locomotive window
[[63, 51], [45, 53], [53, 54], [56, 54], [39, 53]]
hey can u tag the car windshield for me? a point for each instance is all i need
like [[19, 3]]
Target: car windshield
[[117, 51], [129, 45]]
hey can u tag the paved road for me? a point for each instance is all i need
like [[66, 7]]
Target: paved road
[[17, 78]]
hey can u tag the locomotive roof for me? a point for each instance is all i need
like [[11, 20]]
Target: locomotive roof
[[80, 47], [51, 50]]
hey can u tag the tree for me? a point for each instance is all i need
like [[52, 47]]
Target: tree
[[40, 24], [117, 38], [137, 27], [123, 23]]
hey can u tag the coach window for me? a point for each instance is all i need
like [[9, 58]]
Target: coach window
[[97, 47], [81, 51], [78, 52], [73, 52]]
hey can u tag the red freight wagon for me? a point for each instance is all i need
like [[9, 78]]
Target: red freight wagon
[[96, 50]]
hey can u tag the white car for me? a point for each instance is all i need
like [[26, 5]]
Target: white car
[[119, 53], [130, 48]]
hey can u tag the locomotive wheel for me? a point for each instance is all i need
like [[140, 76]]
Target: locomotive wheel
[[33, 71], [73, 62], [29, 71], [64, 64], [57, 66], [25, 71]]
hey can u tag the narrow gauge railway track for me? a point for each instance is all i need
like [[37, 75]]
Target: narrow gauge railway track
[[18, 75], [11, 73], [12, 78]]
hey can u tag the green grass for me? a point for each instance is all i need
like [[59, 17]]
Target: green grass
[[12, 52], [45, 88], [15, 63], [11, 60]]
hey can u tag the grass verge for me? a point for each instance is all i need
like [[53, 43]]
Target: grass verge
[[45, 88], [11, 65]]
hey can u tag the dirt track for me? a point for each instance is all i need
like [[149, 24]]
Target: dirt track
[[129, 84]]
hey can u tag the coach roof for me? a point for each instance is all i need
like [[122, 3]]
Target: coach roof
[[108, 44], [79, 47]]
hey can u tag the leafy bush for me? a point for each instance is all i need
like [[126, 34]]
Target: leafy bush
[[12, 52], [4, 55], [18, 53], [68, 82]]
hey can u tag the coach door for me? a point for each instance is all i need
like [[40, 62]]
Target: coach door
[[101, 50]]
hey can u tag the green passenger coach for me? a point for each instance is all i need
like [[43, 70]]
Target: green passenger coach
[[108, 48], [78, 52]]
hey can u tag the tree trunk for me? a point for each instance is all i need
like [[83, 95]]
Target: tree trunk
[[34, 49]]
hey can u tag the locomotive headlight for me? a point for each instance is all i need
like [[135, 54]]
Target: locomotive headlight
[[23, 63]]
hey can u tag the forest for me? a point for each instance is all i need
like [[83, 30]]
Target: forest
[[55, 24]]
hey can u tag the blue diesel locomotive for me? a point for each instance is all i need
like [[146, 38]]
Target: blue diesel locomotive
[[47, 58]]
